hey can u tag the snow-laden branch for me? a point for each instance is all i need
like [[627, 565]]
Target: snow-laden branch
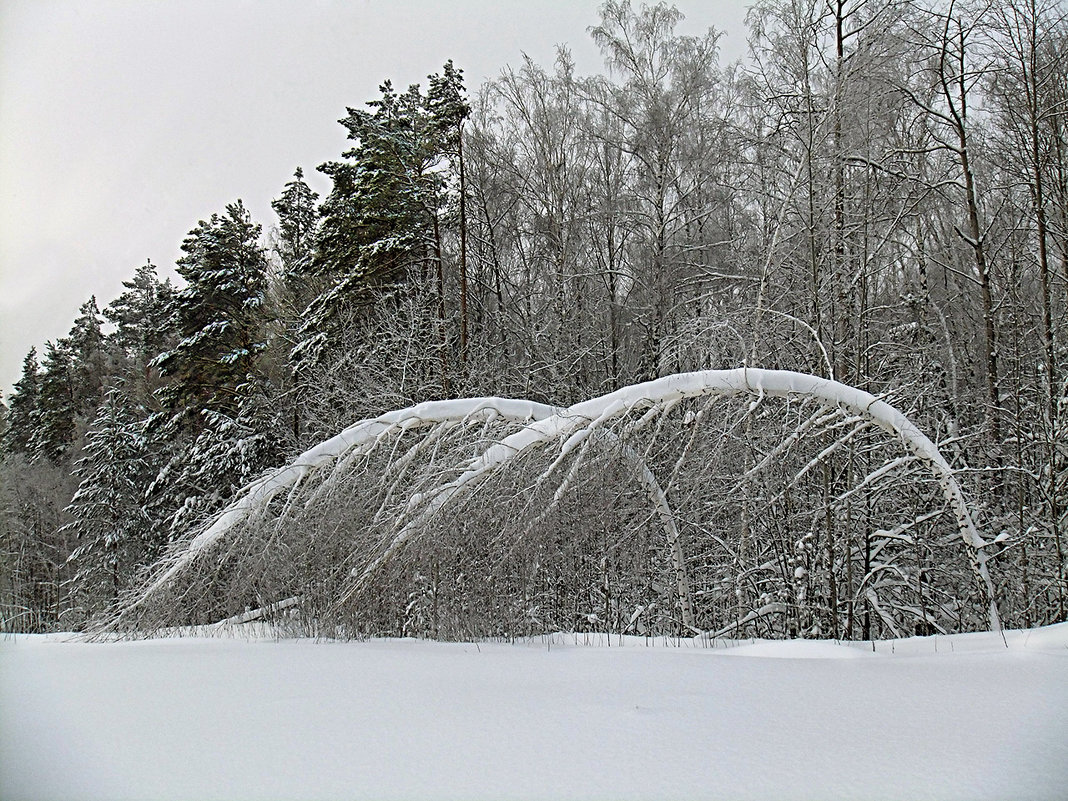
[[573, 425], [569, 432], [356, 438]]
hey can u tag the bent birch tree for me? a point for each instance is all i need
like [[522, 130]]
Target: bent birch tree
[[417, 493]]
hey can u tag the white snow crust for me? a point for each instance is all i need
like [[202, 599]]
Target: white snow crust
[[245, 717]]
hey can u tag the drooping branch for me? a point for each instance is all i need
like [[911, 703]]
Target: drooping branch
[[573, 425], [401, 511], [349, 443]]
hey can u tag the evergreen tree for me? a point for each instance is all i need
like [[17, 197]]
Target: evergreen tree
[[86, 343], [448, 109], [447, 106], [298, 221], [109, 521], [380, 223], [143, 316], [213, 372], [219, 316], [145, 326], [229, 452], [22, 413], [51, 401], [298, 218], [55, 425]]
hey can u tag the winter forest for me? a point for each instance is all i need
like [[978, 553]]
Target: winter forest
[[775, 348]]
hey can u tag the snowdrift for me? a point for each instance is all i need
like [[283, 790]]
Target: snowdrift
[[565, 716]]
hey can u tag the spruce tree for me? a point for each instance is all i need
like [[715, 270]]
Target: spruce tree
[[55, 425], [298, 221], [109, 523], [90, 364], [23, 409], [228, 452]]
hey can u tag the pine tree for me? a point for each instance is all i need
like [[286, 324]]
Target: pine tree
[[213, 372], [380, 222], [22, 413], [143, 316], [219, 315], [110, 524], [145, 327]]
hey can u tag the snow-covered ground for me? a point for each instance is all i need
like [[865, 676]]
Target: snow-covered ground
[[239, 718]]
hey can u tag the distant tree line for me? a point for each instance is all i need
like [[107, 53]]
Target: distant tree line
[[879, 194]]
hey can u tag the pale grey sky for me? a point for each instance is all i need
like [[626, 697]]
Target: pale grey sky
[[124, 122]]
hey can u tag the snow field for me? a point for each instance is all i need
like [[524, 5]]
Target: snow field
[[235, 718]]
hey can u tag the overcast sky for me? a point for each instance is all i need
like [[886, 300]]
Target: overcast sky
[[124, 122]]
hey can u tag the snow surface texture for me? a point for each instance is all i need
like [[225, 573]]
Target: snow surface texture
[[949, 717], [574, 426]]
